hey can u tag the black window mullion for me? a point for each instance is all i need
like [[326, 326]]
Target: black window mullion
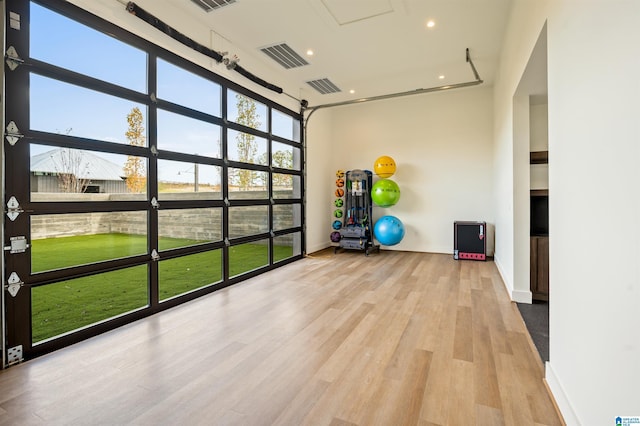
[[248, 130], [85, 81], [270, 181], [76, 142], [188, 158], [225, 188], [152, 178], [18, 308], [188, 112]]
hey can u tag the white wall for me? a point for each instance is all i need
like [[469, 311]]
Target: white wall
[[320, 179], [524, 26], [594, 173], [520, 287], [538, 126], [442, 144], [539, 141], [594, 145]]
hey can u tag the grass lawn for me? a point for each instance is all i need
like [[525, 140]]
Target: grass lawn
[[68, 305]]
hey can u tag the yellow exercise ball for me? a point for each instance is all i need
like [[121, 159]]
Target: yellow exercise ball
[[384, 166]]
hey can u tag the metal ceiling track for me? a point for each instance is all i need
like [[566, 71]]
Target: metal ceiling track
[[477, 81], [219, 57]]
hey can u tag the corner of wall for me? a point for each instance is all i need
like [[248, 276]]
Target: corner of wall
[[312, 248], [519, 296], [560, 397]]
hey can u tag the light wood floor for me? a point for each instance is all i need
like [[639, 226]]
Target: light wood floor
[[391, 339]]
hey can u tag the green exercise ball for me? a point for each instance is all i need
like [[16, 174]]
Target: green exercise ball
[[385, 193]]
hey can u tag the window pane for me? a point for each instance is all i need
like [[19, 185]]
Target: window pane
[[247, 184], [286, 216], [286, 246], [247, 148], [68, 44], [248, 220], [246, 111], [184, 274], [85, 238], [188, 181], [187, 135], [67, 174], [69, 305], [285, 126], [184, 88], [187, 227], [247, 257], [62, 108], [285, 156], [286, 186]]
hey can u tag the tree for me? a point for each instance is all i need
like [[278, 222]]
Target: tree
[[283, 160], [72, 170], [246, 144], [134, 168]]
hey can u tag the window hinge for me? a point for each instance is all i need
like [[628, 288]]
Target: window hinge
[[13, 208], [14, 283], [13, 134], [12, 58]]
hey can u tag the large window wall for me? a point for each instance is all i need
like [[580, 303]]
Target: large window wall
[[136, 179]]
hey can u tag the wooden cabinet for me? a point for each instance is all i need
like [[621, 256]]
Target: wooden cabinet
[[540, 267], [539, 157], [539, 285]]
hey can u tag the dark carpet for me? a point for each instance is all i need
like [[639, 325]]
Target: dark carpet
[[536, 317]]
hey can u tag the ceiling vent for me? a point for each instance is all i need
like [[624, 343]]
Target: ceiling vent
[[209, 5], [324, 86], [284, 55]]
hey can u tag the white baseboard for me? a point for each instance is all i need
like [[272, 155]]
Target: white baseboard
[[562, 401], [520, 296], [505, 281]]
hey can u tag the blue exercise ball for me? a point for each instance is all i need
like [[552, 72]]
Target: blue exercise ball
[[389, 230]]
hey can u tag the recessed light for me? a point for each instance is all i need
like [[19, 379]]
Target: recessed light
[[431, 24], [441, 77], [352, 91], [309, 52]]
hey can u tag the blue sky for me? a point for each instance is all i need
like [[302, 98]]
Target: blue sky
[[62, 108]]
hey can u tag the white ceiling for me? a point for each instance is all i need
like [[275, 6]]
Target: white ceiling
[[374, 47]]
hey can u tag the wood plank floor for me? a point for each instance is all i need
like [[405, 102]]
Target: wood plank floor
[[394, 338]]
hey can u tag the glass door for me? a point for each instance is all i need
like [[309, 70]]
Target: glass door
[[134, 179]]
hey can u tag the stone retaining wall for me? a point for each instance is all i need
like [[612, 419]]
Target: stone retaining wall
[[204, 224]]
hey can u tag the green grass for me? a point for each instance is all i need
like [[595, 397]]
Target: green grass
[[68, 305], [55, 253], [72, 304]]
